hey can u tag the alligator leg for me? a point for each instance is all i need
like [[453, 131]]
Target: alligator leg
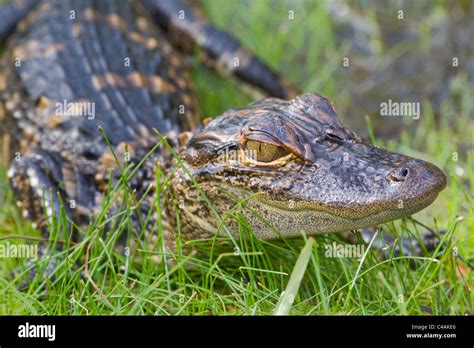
[[188, 29], [411, 246], [386, 243], [39, 178], [11, 13]]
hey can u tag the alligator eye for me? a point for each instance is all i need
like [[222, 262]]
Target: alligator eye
[[263, 152]]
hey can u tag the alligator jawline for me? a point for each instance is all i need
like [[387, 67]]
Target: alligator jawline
[[409, 210]]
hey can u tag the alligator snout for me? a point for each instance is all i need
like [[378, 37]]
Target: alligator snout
[[418, 177], [399, 174]]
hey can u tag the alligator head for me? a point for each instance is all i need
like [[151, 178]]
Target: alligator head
[[294, 168]]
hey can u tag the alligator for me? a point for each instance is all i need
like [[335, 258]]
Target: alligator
[[90, 87]]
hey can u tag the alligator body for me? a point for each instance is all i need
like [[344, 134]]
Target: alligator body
[[71, 67]]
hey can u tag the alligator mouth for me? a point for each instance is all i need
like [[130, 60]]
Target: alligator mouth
[[357, 213], [406, 211], [399, 205], [319, 220]]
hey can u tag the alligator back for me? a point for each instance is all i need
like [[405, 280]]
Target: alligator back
[[72, 66]]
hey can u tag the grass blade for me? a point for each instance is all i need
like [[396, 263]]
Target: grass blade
[[287, 297]]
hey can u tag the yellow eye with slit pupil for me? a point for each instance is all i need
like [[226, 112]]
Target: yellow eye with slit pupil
[[263, 152]]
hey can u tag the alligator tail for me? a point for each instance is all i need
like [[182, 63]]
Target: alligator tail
[[188, 30]]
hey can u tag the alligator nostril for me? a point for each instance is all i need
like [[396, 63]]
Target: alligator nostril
[[399, 174]]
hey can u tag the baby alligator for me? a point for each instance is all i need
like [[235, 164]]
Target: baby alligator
[[74, 70]]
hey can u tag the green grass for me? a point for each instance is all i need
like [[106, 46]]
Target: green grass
[[246, 276]]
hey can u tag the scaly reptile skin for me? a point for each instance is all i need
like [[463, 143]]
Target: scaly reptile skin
[[321, 178], [297, 168]]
